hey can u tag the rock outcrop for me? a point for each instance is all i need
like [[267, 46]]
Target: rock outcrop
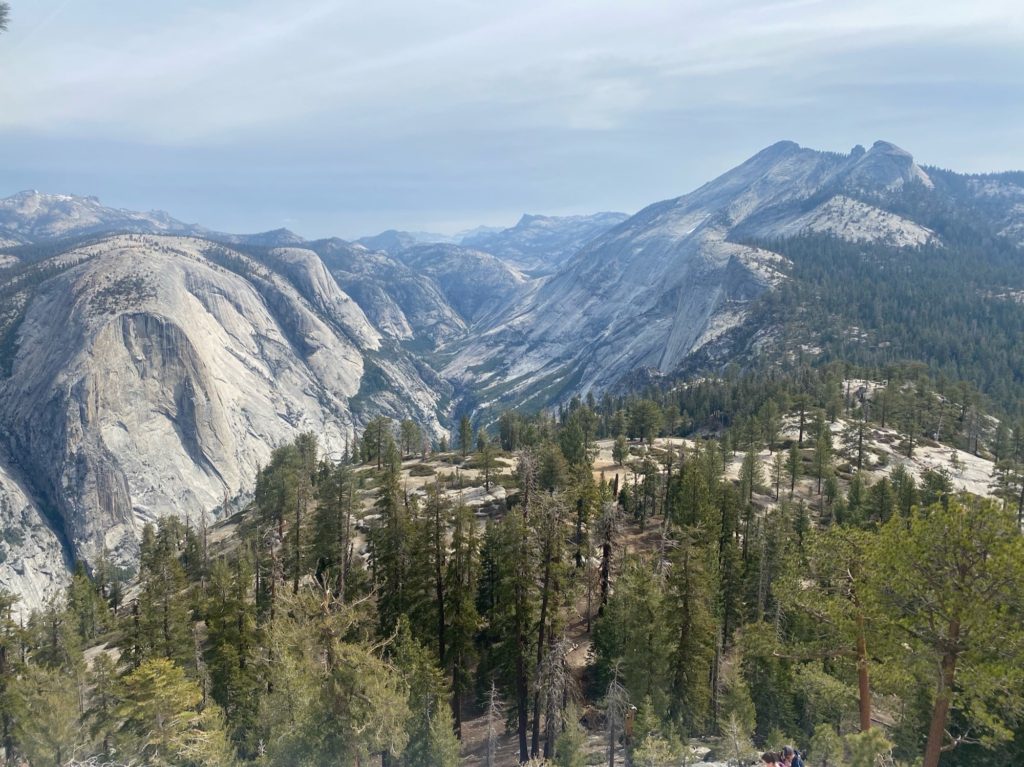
[[154, 375]]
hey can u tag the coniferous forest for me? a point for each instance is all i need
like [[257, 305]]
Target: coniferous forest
[[700, 571]]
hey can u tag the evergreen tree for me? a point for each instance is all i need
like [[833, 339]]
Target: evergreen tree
[[824, 594], [377, 439], [86, 604], [751, 474], [620, 449], [428, 553], [160, 616], [102, 681], [332, 537], [158, 714], [49, 728], [949, 581], [633, 636], [233, 651], [509, 598], [546, 515], [390, 545], [461, 578], [689, 615], [465, 435], [432, 741], [793, 467], [411, 436], [822, 451], [335, 700]]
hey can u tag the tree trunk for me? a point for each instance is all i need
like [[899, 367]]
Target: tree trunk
[[606, 572], [439, 594], [298, 543], [456, 699], [611, 744], [522, 713], [535, 736], [579, 532], [940, 713], [863, 687]]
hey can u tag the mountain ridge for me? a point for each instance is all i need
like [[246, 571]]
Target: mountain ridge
[[108, 337]]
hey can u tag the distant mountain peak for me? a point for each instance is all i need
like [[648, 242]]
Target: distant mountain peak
[[888, 166], [779, 148], [539, 244]]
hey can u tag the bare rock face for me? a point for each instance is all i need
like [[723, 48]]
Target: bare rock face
[[679, 274], [474, 283], [151, 379], [855, 221], [540, 245], [31, 556], [404, 304]]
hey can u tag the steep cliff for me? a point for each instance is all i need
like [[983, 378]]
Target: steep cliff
[[153, 375]]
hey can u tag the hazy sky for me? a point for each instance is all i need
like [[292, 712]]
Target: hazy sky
[[351, 117]]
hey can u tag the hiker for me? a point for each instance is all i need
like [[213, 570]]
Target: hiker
[[791, 757], [772, 759]]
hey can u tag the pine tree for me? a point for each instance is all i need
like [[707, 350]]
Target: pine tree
[[689, 615], [825, 590], [949, 581], [49, 729], [429, 604], [306, 449], [488, 463], [432, 742], [822, 451], [509, 597], [751, 474], [233, 648], [390, 545], [571, 748], [547, 520], [411, 436], [616, 708], [461, 578], [157, 705], [160, 618], [620, 449], [86, 604], [632, 636], [335, 700], [793, 466], [102, 680], [332, 528], [465, 435], [771, 424], [378, 436]]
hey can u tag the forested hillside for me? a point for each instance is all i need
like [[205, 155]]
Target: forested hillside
[[953, 303], [734, 564]]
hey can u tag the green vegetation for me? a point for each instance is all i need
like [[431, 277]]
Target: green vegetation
[[724, 609], [951, 306]]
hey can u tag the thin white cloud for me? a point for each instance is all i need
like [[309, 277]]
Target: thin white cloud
[[212, 70], [531, 105]]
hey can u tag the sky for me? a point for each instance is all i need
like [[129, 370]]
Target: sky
[[349, 117]]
